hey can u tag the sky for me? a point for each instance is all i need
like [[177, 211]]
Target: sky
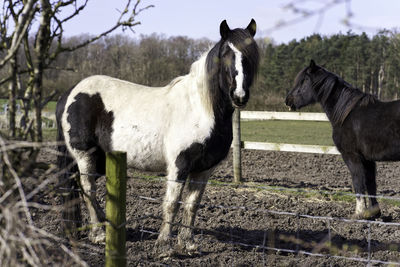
[[201, 18]]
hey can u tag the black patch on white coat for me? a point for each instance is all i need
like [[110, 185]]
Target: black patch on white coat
[[64, 159], [91, 127], [199, 157]]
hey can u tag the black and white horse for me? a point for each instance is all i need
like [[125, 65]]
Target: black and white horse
[[364, 129], [184, 128]]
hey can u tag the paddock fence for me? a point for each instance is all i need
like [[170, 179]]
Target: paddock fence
[[292, 116], [272, 115], [48, 120], [331, 243]]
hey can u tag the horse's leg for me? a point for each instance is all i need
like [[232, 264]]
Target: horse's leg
[[175, 184], [370, 167], [87, 169], [196, 186], [358, 171]]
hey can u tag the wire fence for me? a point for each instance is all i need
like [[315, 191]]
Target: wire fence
[[260, 241], [325, 243]]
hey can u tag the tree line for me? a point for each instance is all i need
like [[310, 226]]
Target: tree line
[[369, 63]]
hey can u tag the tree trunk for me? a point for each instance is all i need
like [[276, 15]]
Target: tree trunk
[[12, 89], [37, 100], [371, 88], [41, 49], [381, 76]]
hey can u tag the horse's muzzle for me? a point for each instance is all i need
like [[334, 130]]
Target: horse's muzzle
[[289, 101], [239, 102]]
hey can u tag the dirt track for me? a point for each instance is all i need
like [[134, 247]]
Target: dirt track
[[233, 222]]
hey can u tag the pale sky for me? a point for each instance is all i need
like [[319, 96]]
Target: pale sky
[[197, 19]]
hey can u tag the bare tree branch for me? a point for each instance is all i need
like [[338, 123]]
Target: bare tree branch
[[301, 14], [24, 21], [125, 23]]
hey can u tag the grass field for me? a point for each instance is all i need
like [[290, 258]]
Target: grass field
[[289, 132], [274, 131]]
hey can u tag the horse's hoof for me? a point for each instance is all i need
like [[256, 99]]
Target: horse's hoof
[[167, 254], [374, 213], [369, 214], [189, 248], [163, 248], [97, 236], [192, 252], [357, 216]]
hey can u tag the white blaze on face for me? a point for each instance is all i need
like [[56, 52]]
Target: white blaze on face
[[239, 91]]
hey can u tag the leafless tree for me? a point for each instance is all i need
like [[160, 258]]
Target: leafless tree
[[48, 45]]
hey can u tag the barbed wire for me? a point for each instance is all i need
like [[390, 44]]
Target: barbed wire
[[278, 212], [263, 246], [243, 242], [247, 186], [236, 239], [328, 219]]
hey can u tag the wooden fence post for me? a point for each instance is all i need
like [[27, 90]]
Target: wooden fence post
[[116, 209], [237, 165]]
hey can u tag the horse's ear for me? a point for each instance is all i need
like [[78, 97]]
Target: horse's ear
[[224, 30], [312, 66], [252, 27]]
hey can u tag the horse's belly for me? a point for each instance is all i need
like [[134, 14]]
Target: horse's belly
[[144, 150]]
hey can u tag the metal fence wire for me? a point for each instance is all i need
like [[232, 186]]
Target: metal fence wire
[[266, 238], [297, 245]]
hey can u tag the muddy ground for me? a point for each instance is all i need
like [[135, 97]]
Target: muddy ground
[[235, 228]]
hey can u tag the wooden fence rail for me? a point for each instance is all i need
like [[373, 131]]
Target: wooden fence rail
[[49, 120], [272, 115]]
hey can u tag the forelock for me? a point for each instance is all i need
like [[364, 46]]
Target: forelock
[[245, 43]]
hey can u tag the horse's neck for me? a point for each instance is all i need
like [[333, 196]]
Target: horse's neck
[[341, 102], [328, 105]]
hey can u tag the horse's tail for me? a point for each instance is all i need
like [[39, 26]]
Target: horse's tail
[[68, 171]]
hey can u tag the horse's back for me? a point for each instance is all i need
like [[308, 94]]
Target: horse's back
[[143, 121], [372, 130], [112, 114]]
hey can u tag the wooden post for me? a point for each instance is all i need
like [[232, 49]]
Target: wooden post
[[237, 166], [116, 209]]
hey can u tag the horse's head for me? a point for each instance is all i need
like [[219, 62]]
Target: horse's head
[[303, 92], [238, 59]]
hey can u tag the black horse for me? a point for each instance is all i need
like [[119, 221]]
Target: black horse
[[365, 129]]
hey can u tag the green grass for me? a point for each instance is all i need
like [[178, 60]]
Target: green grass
[[274, 131], [50, 107], [289, 132], [49, 134]]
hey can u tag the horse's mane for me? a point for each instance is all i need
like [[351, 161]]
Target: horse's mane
[[205, 71], [348, 97]]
